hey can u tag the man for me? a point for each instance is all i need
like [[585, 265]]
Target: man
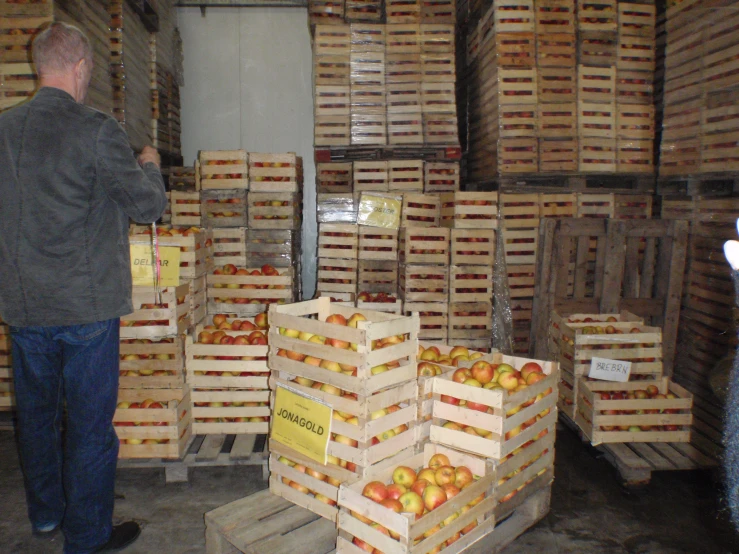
[[68, 184]]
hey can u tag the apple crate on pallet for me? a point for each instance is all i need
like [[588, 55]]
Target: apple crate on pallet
[[555, 16], [334, 177], [472, 247], [636, 20], [223, 169], [229, 246], [557, 120], [192, 242], [403, 39], [275, 172], [305, 482], [332, 40], [274, 210], [377, 243], [424, 283], [635, 156], [469, 210], [152, 364], [504, 418], [332, 130], [278, 248], [424, 245], [636, 53], [363, 11], [297, 318], [420, 210], [556, 50], [558, 85], [230, 412], [471, 283], [438, 35], [635, 87], [338, 240], [358, 513], [441, 177], [336, 276], [607, 413], [558, 205], [596, 120], [440, 129], [405, 175], [402, 11], [597, 15], [157, 314], [185, 208], [378, 276], [249, 292], [404, 99], [223, 207], [326, 13], [558, 155], [330, 70], [470, 323], [597, 155], [163, 431], [370, 176]]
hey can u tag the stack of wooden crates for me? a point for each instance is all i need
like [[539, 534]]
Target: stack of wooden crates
[[7, 400]]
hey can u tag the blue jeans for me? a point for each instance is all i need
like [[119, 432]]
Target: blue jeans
[[72, 481]]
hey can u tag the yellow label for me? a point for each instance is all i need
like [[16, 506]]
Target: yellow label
[[301, 423], [142, 264], [379, 211]]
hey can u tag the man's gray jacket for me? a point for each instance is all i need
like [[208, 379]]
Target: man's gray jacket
[[69, 181]]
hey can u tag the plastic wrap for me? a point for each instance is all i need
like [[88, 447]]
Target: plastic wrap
[[367, 38], [279, 248], [502, 333], [337, 208], [379, 210]]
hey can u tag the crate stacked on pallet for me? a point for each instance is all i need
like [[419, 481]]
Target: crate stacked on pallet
[[248, 291], [7, 400], [223, 184], [275, 191], [424, 278], [338, 249], [368, 107], [378, 245], [331, 49], [556, 66], [374, 398], [441, 177], [227, 372], [403, 78], [279, 248], [438, 90]]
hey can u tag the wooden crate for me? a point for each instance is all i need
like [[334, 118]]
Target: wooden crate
[[596, 120], [517, 86], [473, 247], [636, 53], [534, 406], [440, 129], [515, 16], [521, 280], [680, 157], [597, 48], [278, 248], [147, 364], [423, 283], [555, 16], [338, 240], [470, 321], [229, 246], [19, 83], [402, 11], [16, 34], [368, 129], [556, 50], [518, 155], [332, 71], [7, 396], [557, 120], [198, 300], [275, 172], [634, 87], [441, 177], [34, 9], [335, 275], [224, 207], [636, 19], [596, 205], [367, 100], [405, 175], [296, 317], [558, 155], [597, 155], [515, 49], [403, 98], [520, 244], [274, 210], [389, 306], [249, 294], [185, 208], [596, 84], [558, 205], [557, 85], [367, 68], [170, 426], [437, 67], [516, 120], [284, 474], [326, 13], [438, 97], [433, 319], [667, 420], [403, 68], [192, 243], [223, 169], [405, 128], [334, 177], [403, 39], [378, 276], [719, 152], [368, 37], [635, 156], [635, 122], [169, 316], [597, 15], [232, 412], [363, 10], [420, 210], [332, 130], [437, 35], [352, 502], [471, 283], [424, 245], [469, 210], [378, 243]]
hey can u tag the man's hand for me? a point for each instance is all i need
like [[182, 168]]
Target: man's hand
[[731, 249], [149, 154]]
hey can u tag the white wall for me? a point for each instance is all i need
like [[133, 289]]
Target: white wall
[[248, 85]]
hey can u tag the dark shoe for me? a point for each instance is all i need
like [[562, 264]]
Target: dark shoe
[[123, 535], [46, 531]]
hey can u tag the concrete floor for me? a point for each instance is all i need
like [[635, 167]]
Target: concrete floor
[[678, 513]]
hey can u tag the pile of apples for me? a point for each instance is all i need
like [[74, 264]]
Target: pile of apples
[[456, 356], [273, 204], [155, 322], [135, 357], [420, 493], [146, 404], [414, 247], [255, 334], [266, 271], [492, 376], [650, 393], [225, 175], [380, 297]]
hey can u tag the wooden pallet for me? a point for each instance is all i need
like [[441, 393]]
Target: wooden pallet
[[396, 152], [547, 182], [210, 451], [635, 462], [265, 523], [699, 185]]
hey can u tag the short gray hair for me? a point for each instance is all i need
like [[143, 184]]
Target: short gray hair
[[59, 47]]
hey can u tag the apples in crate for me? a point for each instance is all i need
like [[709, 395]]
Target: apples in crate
[[454, 356], [267, 278]]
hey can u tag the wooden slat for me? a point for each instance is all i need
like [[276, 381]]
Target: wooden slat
[[211, 447]]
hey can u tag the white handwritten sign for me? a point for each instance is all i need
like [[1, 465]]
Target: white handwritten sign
[[610, 370]]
